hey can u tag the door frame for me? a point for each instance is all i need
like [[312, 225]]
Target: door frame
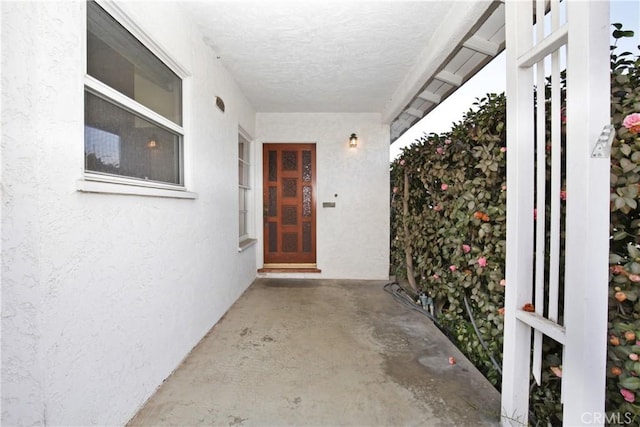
[[260, 202]]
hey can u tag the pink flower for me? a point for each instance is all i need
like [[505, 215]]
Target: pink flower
[[402, 162], [440, 150], [628, 395], [437, 207], [453, 268], [436, 277], [503, 149], [632, 122], [634, 357], [634, 277], [444, 187], [395, 189], [466, 249], [503, 282], [482, 261], [617, 269], [563, 195], [557, 370], [447, 141]]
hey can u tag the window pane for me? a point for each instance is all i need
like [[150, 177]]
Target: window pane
[[118, 142], [242, 200], [273, 236], [290, 160], [306, 201], [241, 149], [243, 174], [272, 209], [289, 242], [243, 197], [306, 237], [118, 59], [243, 223], [273, 165], [289, 215], [289, 187], [306, 166], [243, 162]]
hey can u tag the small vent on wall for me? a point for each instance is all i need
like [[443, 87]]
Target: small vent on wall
[[220, 103]]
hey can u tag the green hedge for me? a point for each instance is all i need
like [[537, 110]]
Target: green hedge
[[623, 382], [456, 225]]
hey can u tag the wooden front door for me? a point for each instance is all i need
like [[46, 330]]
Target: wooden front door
[[289, 200]]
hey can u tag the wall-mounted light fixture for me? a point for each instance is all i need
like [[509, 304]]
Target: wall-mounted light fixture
[[152, 143], [353, 141]]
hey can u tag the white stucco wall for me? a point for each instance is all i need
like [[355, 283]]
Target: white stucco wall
[[352, 239], [103, 295]]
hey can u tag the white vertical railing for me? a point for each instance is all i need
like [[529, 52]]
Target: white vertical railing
[[531, 54], [556, 177], [541, 192], [587, 210], [520, 188]]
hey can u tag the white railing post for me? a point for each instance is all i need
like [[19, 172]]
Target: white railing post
[[520, 187], [588, 214]]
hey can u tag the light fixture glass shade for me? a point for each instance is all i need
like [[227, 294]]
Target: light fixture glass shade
[[353, 140]]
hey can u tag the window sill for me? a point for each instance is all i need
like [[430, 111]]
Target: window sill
[[86, 186], [246, 244]]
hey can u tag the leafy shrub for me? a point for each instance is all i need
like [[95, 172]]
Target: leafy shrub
[[623, 381], [456, 225]]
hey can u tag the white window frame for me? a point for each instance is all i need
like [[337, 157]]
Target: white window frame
[[245, 240], [100, 183]]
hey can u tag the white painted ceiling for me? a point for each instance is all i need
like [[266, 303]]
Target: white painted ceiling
[[334, 56]]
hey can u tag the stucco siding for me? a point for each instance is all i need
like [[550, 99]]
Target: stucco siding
[[103, 295]]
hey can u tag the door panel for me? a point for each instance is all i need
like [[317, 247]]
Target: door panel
[[289, 199]]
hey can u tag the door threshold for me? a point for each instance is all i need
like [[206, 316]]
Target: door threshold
[[289, 268]]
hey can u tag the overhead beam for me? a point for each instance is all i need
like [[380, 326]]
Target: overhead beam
[[414, 112], [481, 45], [448, 77], [430, 96]]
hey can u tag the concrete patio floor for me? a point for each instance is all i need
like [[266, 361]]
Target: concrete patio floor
[[322, 353]]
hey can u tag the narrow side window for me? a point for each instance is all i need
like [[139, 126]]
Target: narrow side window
[[244, 185]]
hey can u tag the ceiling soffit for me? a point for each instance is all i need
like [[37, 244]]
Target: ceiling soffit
[[398, 58], [441, 77]]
